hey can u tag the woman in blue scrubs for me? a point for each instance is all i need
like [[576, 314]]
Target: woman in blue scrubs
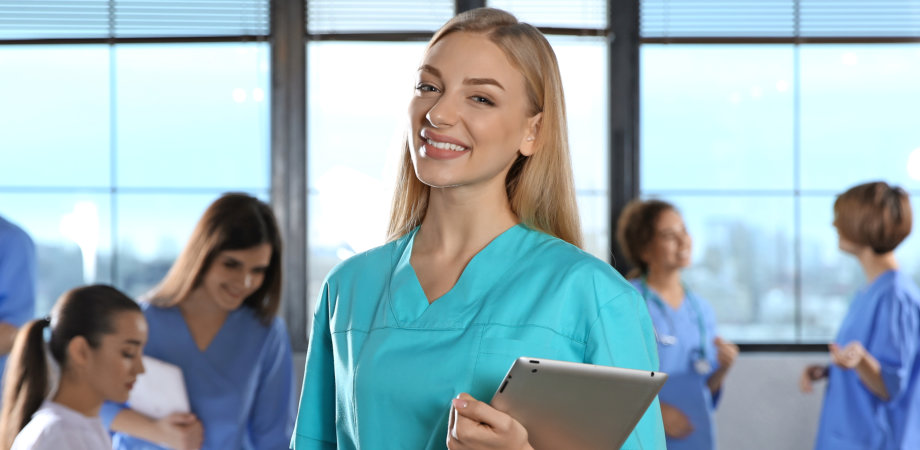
[[214, 316], [654, 239], [872, 399], [410, 340]]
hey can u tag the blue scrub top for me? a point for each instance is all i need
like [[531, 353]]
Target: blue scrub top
[[679, 348], [885, 318], [240, 387], [17, 278], [383, 363]]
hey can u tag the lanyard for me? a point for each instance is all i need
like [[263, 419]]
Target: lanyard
[[646, 294]]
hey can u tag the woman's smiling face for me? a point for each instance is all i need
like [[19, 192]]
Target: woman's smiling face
[[470, 116]]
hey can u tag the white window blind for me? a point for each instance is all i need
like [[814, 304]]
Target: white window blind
[[82, 19], [357, 16], [779, 18]]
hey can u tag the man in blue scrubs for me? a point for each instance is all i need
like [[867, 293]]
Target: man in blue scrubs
[[17, 284]]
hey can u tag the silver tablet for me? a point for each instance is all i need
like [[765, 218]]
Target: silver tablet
[[576, 406]]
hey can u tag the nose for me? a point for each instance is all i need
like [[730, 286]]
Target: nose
[[139, 368], [247, 281], [442, 113]]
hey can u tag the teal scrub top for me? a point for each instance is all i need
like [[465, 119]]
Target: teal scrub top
[[383, 363]]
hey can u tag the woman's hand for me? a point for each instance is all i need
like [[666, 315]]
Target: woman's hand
[[726, 352], [810, 375], [181, 431], [477, 425], [676, 423], [848, 357]]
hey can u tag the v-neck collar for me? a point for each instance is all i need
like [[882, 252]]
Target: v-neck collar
[[409, 304], [188, 331]]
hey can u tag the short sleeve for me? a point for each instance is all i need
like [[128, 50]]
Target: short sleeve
[[896, 342], [315, 425], [623, 336], [272, 415], [17, 277], [709, 322], [108, 412]]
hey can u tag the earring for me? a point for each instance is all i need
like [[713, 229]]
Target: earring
[[530, 138]]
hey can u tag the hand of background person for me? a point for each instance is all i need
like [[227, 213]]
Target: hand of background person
[[811, 374], [477, 425], [849, 356], [676, 423], [181, 431], [726, 352]]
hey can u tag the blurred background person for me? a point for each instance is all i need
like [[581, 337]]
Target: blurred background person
[[654, 239], [17, 284], [872, 399], [97, 336], [214, 316]]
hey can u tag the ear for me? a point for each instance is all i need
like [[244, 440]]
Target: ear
[[528, 146], [78, 352]]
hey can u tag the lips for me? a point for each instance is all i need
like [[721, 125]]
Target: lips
[[438, 146]]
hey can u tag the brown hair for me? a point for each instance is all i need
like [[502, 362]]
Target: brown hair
[[540, 187], [234, 221], [636, 230], [874, 214], [87, 311]]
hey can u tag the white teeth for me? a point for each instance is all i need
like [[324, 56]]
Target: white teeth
[[446, 146]]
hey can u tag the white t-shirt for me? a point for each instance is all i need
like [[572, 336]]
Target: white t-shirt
[[55, 426]]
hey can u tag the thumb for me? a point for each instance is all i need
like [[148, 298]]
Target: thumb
[[181, 418], [718, 341]]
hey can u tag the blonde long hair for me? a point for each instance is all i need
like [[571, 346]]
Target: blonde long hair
[[540, 187]]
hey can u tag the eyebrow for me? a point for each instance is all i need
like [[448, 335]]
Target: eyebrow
[[470, 81], [133, 342]]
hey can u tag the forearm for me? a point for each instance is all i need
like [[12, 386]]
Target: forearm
[[133, 423], [7, 336], [715, 380], [870, 373]]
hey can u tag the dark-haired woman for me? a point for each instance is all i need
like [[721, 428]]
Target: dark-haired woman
[[214, 316], [97, 338], [655, 240], [873, 398]]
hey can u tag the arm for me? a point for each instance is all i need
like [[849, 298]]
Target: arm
[[17, 287], [271, 420], [623, 336], [180, 431], [315, 425], [726, 353], [855, 357], [676, 423]]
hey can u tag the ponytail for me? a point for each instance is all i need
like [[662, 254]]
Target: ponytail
[[25, 382]]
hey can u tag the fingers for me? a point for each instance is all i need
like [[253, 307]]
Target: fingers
[[480, 412], [805, 381], [476, 424]]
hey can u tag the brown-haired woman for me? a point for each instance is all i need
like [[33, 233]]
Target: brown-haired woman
[[482, 267], [873, 390], [97, 335], [654, 239], [214, 316]]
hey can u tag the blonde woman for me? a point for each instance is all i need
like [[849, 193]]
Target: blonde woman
[[411, 339]]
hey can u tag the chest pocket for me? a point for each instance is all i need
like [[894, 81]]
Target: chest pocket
[[496, 355]]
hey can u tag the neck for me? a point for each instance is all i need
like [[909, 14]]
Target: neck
[[199, 305], [667, 284], [460, 220], [77, 395], [873, 265]]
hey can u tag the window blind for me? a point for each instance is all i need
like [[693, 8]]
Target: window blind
[[779, 18], [82, 19], [374, 16]]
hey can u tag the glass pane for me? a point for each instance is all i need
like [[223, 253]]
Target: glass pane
[[583, 64], [553, 13], [342, 16], [830, 277], [743, 263], [716, 117], [593, 212], [859, 115], [54, 106], [72, 236], [193, 115], [152, 231]]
